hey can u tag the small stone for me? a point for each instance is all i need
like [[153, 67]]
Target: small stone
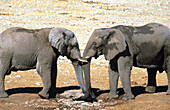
[[61, 100], [17, 14], [91, 6], [100, 101], [95, 12], [77, 102], [99, 7], [85, 104], [18, 76], [38, 83], [26, 102]]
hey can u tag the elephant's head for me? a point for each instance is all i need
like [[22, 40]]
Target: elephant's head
[[109, 42], [66, 44]]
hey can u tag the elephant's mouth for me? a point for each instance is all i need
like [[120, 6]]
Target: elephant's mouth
[[80, 61], [98, 53]]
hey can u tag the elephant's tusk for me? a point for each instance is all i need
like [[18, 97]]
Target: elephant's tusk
[[87, 57], [84, 61]]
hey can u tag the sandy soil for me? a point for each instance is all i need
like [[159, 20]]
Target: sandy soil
[[82, 17]]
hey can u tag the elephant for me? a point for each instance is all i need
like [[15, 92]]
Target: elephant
[[146, 46], [24, 49]]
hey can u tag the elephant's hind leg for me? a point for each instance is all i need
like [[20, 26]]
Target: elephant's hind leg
[[4, 69], [151, 87]]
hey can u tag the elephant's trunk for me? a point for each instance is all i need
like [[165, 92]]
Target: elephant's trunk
[[89, 94], [79, 75]]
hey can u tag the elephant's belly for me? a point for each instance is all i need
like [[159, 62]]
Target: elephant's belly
[[22, 62], [21, 67], [149, 61]]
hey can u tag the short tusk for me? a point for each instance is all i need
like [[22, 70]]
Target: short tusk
[[84, 61], [87, 57]]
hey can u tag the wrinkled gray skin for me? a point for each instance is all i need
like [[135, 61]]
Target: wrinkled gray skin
[[23, 49], [147, 46]]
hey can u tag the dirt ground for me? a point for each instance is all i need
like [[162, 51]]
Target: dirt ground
[[82, 17]]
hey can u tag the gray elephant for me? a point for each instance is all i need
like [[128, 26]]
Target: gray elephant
[[23, 49], [147, 46]]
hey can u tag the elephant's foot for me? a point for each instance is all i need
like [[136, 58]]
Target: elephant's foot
[[128, 97], [57, 96], [168, 92], [52, 94], [150, 89], [88, 97], [43, 95], [113, 96], [3, 95]]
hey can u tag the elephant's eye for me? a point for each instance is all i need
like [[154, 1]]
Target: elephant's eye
[[96, 44], [75, 45]]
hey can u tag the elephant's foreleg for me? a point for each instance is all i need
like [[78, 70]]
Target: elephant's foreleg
[[151, 87], [113, 79], [168, 74], [46, 79], [46, 64], [124, 68], [44, 70], [4, 67]]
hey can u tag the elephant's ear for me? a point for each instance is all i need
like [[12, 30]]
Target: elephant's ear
[[57, 40], [115, 43]]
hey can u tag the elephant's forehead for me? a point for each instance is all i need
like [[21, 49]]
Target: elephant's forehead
[[69, 33], [98, 33], [73, 40]]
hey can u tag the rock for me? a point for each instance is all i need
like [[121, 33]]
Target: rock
[[91, 6], [100, 101], [85, 104], [38, 83], [18, 76], [90, 1], [9, 23], [72, 94], [96, 12], [99, 7], [77, 102], [61, 100]]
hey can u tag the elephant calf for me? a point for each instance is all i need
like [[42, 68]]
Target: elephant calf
[[147, 46], [23, 49]]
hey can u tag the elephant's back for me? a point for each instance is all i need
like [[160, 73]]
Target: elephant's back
[[6, 37], [22, 37], [160, 32], [150, 39]]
